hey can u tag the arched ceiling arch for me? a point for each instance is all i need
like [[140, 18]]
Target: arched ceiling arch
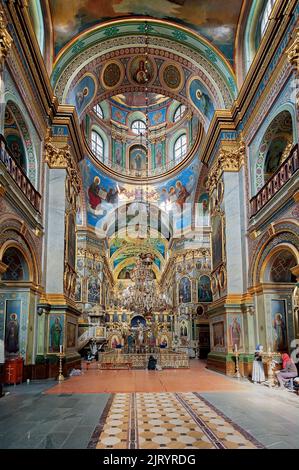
[[166, 41]]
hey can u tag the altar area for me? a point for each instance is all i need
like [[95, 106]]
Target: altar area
[[117, 359]]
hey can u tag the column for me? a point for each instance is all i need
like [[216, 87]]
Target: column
[[229, 317], [58, 301]]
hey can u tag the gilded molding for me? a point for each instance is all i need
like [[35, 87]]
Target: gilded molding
[[5, 40], [230, 159], [293, 52], [61, 157]]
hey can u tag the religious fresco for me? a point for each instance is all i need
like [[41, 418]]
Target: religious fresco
[[118, 115], [71, 335], [56, 332], [215, 21], [204, 289], [217, 241], [103, 193], [159, 155], [12, 327], [279, 325], [118, 153], [185, 290], [93, 290], [218, 335], [200, 97], [138, 158], [235, 332], [83, 93], [141, 70], [157, 117]]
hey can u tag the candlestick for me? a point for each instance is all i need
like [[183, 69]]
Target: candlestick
[[236, 349], [60, 376]]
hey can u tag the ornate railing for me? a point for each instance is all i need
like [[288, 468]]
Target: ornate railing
[[281, 176], [166, 359], [18, 175]]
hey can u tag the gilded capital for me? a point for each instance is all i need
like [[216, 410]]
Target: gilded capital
[[230, 158], [61, 157], [5, 39]]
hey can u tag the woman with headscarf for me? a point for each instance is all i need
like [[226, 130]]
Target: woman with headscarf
[[288, 371], [258, 374]]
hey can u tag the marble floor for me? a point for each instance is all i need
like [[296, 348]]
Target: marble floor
[[193, 408]]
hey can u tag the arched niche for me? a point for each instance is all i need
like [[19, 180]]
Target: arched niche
[[274, 147], [17, 266], [137, 158]]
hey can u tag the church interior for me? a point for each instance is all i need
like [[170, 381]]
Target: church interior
[[149, 224]]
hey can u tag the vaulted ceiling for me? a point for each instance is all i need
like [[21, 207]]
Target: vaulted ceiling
[[213, 19]]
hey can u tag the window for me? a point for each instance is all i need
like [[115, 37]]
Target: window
[[97, 145], [266, 15], [179, 112], [138, 127], [98, 110], [180, 147]]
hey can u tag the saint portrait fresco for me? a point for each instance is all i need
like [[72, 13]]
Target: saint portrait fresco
[[56, 323], [137, 158], [185, 290], [141, 70], [12, 327], [217, 241], [279, 327], [204, 289], [235, 332], [218, 334]]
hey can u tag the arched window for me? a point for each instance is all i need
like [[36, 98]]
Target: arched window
[[179, 112], [138, 127], [97, 145], [17, 269], [180, 147], [98, 110], [266, 15]]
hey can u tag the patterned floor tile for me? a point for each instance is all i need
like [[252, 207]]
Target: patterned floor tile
[[167, 421]]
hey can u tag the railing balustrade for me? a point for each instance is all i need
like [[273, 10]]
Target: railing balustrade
[[18, 175], [281, 176]]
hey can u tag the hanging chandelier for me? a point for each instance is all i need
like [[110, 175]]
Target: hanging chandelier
[[143, 295]]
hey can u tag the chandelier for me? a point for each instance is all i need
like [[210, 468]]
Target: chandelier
[[144, 296]]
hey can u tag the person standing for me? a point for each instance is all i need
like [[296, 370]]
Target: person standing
[[258, 374]]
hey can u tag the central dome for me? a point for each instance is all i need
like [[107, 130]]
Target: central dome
[[141, 135]]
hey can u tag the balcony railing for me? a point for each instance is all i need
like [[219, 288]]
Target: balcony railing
[[281, 176], [18, 175]]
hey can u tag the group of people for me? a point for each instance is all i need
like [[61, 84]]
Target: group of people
[[288, 371]]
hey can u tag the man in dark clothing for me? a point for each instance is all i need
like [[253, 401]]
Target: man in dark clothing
[[152, 363]]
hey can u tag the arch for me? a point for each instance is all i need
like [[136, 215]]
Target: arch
[[12, 229], [282, 124], [95, 42], [266, 273], [284, 235], [18, 116]]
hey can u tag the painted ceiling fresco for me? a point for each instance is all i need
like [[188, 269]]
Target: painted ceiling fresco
[[213, 19]]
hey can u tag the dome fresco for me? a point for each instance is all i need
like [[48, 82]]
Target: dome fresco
[[216, 22]]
